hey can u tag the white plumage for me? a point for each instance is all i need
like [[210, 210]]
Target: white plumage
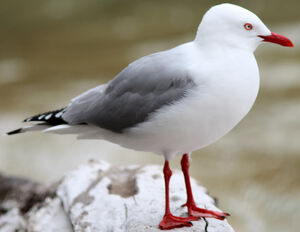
[[176, 101], [221, 62]]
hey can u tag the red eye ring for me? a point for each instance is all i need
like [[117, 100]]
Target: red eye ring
[[248, 26]]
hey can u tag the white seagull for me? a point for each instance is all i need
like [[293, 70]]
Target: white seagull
[[176, 101]]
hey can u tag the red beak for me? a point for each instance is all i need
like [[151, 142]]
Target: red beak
[[276, 38]]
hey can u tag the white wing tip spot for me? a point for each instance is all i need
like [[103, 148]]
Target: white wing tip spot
[[48, 116], [58, 114], [41, 117]]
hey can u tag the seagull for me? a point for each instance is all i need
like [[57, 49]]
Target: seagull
[[175, 101]]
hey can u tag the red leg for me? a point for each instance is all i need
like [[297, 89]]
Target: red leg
[[170, 221], [193, 210]]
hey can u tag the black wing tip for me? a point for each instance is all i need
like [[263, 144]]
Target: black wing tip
[[51, 117], [48, 118], [17, 131], [27, 119]]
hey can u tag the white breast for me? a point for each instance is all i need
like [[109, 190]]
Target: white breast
[[225, 94]]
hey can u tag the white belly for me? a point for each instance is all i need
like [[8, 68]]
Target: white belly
[[208, 112]]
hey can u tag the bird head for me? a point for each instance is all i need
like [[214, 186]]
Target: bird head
[[228, 24]]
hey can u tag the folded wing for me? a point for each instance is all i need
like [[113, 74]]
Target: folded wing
[[142, 88]]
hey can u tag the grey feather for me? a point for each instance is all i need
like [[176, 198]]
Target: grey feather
[[142, 88]]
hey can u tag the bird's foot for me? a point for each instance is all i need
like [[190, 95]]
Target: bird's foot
[[170, 222], [194, 211]]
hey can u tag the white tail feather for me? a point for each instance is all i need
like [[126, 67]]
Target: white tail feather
[[35, 127], [83, 131], [69, 129]]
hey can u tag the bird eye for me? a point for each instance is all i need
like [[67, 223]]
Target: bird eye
[[248, 26]]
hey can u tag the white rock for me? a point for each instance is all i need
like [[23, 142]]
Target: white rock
[[12, 221], [48, 217], [98, 197], [102, 198]]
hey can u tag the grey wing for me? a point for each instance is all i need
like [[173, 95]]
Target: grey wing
[[142, 88]]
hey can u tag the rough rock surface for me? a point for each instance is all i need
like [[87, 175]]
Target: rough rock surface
[[98, 197]]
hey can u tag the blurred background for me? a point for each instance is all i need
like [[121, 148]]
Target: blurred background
[[52, 50]]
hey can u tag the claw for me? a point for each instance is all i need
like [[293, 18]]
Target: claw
[[194, 211], [170, 222]]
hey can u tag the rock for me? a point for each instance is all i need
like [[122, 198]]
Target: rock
[[12, 221], [98, 197], [49, 217], [22, 194]]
